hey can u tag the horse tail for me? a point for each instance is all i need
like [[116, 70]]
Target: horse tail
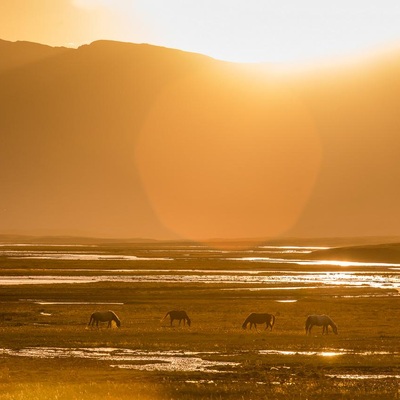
[[307, 324], [272, 321]]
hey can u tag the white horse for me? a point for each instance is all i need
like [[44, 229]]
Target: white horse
[[320, 320], [104, 316]]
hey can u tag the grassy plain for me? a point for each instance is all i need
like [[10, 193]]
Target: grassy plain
[[368, 340]]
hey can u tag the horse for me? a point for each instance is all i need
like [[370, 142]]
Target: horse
[[320, 320], [104, 316], [256, 318], [179, 315]]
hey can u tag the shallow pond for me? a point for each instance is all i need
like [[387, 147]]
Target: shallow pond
[[131, 359]]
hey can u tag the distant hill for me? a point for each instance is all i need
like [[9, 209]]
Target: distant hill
[[382, 253], [126, 140], [17, 54]]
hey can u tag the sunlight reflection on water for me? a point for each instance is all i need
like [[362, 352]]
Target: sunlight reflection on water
[[132, 359], [74, 255], [336, 263], [361, 377], [297, 280], [387, 277], [326, 353]]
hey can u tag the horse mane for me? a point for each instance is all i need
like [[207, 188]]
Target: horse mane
[[115, 315], [166, 315]]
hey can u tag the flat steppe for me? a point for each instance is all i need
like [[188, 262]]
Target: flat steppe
[[47, 350]]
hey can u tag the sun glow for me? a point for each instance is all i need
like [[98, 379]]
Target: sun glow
[[256, 30]]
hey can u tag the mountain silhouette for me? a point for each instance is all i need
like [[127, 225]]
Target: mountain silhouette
[[132, 140]]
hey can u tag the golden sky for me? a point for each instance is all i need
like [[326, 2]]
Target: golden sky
[[233, 30]]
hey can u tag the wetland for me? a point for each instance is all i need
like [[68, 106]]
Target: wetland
[[48, 292]]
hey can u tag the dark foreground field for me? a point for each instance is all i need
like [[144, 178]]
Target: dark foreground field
[[47, 351]]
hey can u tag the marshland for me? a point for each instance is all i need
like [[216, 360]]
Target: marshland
[[49, 291]]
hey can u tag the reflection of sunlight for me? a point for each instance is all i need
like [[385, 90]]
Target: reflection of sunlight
[[286, 301], [270, 281], [295, 247], [73, 255], [335, 263], [148, 360], [338, 352], [326, 353], [360, 377], [339, 263], [330, 354]]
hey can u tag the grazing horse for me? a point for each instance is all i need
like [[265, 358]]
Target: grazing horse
[[179, 315], [104, 316], [255, 318], [320, 320]]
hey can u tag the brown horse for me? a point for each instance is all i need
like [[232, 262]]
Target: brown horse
[[179, 315], [255, 318], [321, 320], [104, 316]]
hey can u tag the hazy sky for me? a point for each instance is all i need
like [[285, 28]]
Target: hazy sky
[[234, 30]]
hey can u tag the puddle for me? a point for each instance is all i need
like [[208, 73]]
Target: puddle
[[74, 255], [131, 359], [325, 353], [336, 263], [46, 303], [330, 353], [295, 247], [169, 364], [45, 245], [292, 249], [256, 289], [366, 376], [286, 301]]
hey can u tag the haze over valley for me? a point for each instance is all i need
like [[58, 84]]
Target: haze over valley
[[124, 140]]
